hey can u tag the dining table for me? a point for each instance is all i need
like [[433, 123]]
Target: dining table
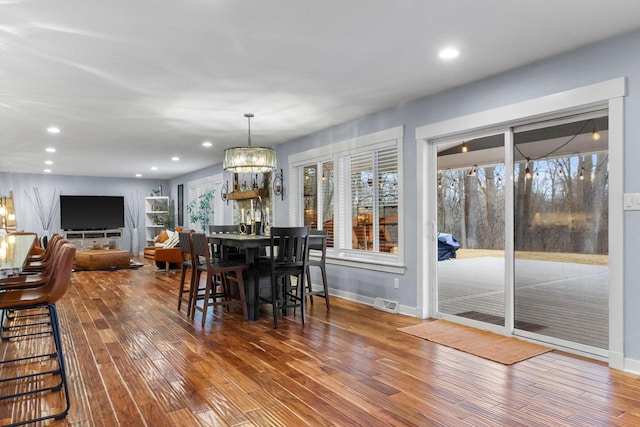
[[14, 250], [252, 246]]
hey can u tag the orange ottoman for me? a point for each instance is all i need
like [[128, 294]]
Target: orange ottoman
[[97, 259]]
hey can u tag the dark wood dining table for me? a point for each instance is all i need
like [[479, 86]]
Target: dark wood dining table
[[14, 249], [251, 245]]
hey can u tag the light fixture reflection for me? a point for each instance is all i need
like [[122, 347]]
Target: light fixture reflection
[[595, 135]]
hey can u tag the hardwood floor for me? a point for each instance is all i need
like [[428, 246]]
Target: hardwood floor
[[134, 360]]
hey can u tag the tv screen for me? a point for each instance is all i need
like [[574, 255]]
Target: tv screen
[[91, 212]]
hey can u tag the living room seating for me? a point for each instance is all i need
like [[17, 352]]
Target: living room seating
[[165, 251]]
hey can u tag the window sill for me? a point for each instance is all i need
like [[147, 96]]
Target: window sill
[[378, 263]]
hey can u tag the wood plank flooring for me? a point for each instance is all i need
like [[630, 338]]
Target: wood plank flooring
[[134, 360]]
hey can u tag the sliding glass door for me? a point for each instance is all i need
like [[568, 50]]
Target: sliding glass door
[[522, 222], [561, 230], [471, 229]]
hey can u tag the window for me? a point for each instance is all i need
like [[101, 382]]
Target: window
[[318, 204], [351, 189], [374, 200]]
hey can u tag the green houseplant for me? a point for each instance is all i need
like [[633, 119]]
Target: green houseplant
[[169, 218], [200, 210]]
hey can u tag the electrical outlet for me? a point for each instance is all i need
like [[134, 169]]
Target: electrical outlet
[[396, 283]]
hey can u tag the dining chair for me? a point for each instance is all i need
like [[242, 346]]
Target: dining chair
[[320, 246], [288, 256], [30, 279], [39, 251], [44, 262], [188, 261], [226, 252], [220, 274], [46, 297]]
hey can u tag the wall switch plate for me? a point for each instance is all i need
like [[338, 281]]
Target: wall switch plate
[[632, 202]]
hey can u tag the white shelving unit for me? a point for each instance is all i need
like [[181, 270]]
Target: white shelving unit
[[155, 209]]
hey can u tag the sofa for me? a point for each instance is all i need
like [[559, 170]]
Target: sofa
[[166, 250]]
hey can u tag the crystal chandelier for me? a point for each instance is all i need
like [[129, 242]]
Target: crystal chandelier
[[249, 159]]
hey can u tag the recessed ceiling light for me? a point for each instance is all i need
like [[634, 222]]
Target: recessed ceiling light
[[207, 144], [47, 171], [53, 129], [154, 168], [175, 158], [50, 150], [48, 162], [138, 175], [449, 53]]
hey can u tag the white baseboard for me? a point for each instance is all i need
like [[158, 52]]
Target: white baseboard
[[632, 366], [403, 309]]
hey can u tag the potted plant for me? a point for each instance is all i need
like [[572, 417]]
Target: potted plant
[[169, 218], [200, 210]]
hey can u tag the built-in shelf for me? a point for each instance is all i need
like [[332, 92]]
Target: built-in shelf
[[155, 211], [249, 194]]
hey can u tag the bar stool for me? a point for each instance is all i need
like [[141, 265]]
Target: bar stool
[[219, 275], [30, 279], [43, 263], [188, 259], [288, 256], [34, 298], [321, 264], [226, 252]]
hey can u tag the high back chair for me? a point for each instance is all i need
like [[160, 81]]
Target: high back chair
[[226, 252], [288, 256], [220, 274], [45, 261], [320, 247], [41, 297], [187, 264]]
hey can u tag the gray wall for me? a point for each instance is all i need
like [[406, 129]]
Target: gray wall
[[592, 64], [47, 185], [588, 65]]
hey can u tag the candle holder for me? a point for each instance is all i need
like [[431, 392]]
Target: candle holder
[[278, 184]]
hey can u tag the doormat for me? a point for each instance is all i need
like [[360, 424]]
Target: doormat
[[485, 344], [498, 320]]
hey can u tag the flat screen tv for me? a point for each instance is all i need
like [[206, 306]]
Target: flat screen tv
[[91, 212]]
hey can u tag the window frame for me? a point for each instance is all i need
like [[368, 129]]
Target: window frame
[[339, 154]]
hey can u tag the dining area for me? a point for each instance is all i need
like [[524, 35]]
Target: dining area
[[232, 268], [225, 268]]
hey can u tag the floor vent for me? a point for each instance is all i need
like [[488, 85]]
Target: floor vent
[[386, 305]]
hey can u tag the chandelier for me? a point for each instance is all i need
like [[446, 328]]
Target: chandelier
[[249, 159]]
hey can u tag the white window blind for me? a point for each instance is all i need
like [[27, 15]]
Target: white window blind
[[352, 189]]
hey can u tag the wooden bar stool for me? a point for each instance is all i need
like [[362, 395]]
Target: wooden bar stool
[[321, 264], [288, 256], [188, 260], [220, 274]]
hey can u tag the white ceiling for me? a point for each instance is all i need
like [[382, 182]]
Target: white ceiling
[[132, 83]]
